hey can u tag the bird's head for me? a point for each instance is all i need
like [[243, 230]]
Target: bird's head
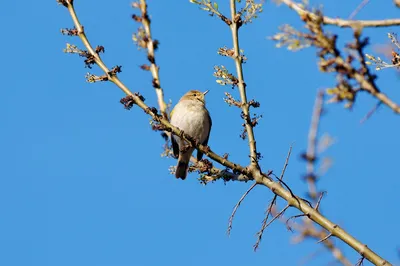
[[195, 95]]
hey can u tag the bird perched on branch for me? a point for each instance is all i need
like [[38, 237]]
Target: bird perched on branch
[[191, 116]]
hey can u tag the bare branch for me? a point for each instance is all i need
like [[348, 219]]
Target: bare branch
[[236, 23], [151, 46], [342, 22], [310, 156], [286, 163], [265, 224], [237, 207], [319, 200], [371, 112], [358, 8]]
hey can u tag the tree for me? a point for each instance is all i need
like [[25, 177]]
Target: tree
[[349, 63]]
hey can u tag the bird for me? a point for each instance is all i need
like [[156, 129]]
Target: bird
[[192, 117]]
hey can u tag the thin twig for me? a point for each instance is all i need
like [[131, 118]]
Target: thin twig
[[358, 8], [371, 112], [237, 207], [292, 218], [360, 261], [307, 229], [265, 225], [286, 163], [312, 143], [319, 200], [342, 22], [273, 201], [325, 238]]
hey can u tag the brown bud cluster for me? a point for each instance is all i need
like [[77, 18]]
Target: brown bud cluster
[[70, 32]]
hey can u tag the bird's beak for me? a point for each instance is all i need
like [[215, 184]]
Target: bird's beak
[[204, 93]]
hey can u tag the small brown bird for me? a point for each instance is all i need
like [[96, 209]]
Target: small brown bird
[[191, 116]]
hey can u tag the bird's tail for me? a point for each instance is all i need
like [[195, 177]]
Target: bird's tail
[[181, 170], [183, 165]]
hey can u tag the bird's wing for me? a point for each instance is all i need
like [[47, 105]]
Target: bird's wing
[[205, 142], [175, 146]]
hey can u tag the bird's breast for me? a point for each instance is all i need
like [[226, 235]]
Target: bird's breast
[[193, 119]]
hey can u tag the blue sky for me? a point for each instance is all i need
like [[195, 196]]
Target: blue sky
[[82, 181]]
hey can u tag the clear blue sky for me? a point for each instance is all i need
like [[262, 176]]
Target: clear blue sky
[[81, 179]]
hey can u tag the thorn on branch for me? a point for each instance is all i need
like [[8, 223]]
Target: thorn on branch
[[319, 201], [325, 238]]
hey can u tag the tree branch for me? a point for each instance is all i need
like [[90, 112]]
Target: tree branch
[[151, 47], [237, 207], [250, 173], [311, 156], [236, 23], [342, 22]]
